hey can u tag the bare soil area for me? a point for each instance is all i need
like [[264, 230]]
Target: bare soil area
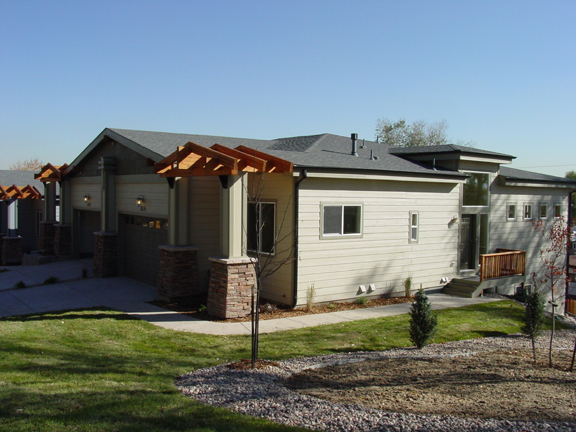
[[195, 307], [499, 384]]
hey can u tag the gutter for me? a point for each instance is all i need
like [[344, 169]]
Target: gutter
[[303, 176]]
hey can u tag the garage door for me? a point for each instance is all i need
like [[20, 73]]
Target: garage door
[[140, 238]]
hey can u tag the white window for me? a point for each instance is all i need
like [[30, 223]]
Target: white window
[[261, 227], [557, 211], [414, 227], [511, 211], [543, 211], [341, 220], [528, 211]]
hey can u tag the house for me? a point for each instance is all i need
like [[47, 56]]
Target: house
[[21, 214], [179, 211]]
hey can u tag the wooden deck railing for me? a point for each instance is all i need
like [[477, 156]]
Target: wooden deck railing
[[505, 262], [571, 306]]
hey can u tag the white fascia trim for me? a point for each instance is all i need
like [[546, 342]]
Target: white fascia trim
[[485, 159], [537, 185], [383, 177]]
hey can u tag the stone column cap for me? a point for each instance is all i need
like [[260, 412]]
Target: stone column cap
[[178, 248], [233, 260], [11, 238], [63, 225], [105, 234]]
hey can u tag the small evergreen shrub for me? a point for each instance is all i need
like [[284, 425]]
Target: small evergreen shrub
[[361, 300], [422, 322], [534, 316]]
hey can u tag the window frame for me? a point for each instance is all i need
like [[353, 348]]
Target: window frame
[[524, 207], [557, 205], [341, 234], [487, 205], [248, 228], [412, 227], [540, 211], [508, 206]]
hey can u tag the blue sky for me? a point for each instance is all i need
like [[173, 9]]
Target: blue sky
[[501, 73]]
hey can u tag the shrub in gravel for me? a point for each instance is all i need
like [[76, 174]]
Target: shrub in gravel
[[534, 317], [422, 322]]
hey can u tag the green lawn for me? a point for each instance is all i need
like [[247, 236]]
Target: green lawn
[[99, 370]]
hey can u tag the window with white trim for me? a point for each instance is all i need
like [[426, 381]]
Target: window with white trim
[[261, 232], [511, 211], [414, 226], [341, 220], [557, 211], [543, 211], [528, 211]]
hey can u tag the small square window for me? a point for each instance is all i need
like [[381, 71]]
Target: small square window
[[528, 211], [511, 212], [543, 211], [261, 231], [557, 211]]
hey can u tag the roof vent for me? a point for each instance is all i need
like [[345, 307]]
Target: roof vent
[[354, 137]]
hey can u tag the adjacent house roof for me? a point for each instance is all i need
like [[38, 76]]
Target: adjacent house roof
[[516, 176], [449, 148], [19, 184], [324, 151]]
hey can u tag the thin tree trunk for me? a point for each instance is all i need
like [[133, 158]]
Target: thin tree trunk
[[253, 322], [552, 336]]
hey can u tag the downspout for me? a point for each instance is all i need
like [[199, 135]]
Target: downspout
[[303, 176]]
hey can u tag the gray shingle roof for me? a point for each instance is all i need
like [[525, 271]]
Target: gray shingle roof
[[314, 151], [516, 174], [449, 148], [19, 178]]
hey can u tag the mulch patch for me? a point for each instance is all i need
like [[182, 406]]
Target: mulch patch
[[195, 307], [247, 364]]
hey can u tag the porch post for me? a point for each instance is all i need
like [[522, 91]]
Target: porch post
[[178, 276], [106, 243], [232, 275]]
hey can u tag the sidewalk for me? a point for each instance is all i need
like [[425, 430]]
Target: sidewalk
[[131, 297]]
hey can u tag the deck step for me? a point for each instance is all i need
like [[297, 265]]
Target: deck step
[[468, 288]]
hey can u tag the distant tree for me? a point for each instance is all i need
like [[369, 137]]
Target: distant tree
[[417, 134], [422, 322], [571, 175], [32, 164], [553, 248], [534, 316]]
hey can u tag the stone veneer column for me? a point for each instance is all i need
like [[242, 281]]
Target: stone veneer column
[[230, 290], [63, 239], [11, 250], [47, 233], [178, 275], [105, 254]]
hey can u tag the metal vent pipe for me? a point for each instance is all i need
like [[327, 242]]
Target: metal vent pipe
[[354, 137]]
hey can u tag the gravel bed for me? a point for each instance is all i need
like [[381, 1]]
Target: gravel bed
[[261, 392]]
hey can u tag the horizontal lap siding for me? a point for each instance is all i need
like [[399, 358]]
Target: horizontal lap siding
[[155, 198], [519, 234], [79, 190], [383, 255]]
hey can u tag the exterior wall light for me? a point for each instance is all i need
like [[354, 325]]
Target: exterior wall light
[[87, 198], [140, 201], [455, 220]]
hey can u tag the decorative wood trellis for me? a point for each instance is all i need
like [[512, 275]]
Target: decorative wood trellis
[[19, 192], [195, 160], [50, 173]]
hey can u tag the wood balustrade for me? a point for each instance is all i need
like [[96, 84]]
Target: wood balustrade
[[505, 262]]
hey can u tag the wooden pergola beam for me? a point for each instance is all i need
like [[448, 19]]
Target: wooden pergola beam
[[275, 164], [49, 173], [245, 159]]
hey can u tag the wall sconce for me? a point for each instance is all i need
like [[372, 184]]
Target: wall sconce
[[140, 201], [455, 220], [87, 198]]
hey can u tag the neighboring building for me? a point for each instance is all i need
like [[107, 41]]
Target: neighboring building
[[21, 212], [175, 210]]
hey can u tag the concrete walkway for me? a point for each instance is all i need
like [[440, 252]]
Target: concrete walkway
[[131, 297]]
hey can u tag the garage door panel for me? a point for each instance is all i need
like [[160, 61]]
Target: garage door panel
[[141, 238]]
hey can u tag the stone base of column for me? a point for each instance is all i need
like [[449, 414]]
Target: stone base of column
[[178, 275], [63, 240], [230, 290], [11, 250], [46, 240], [105, 254]]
